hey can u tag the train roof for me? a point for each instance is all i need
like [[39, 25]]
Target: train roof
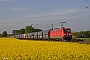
[[65, 28]]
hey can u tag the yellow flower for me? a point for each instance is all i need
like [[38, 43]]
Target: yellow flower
[[14, 49]]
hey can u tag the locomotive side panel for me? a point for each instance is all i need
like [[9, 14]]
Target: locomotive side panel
[[63, 33], [55, 34], [52, 34]]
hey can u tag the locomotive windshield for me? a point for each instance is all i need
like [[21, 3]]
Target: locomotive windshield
[[67, 30]]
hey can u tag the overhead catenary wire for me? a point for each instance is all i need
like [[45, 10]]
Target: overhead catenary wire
[[80, 17], [77, 19], [72, 21]]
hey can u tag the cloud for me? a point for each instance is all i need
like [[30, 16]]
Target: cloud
[[34, 16], [55, 13], [10, 20], [19, 9], [6, 0], [66, 11]]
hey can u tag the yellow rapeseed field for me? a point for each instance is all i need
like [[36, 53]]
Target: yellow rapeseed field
[[14, 49]]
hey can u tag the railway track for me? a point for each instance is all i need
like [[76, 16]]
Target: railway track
[[84, 42], [81, 41]]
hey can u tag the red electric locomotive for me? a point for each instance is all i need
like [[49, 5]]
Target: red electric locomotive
[[56, 34], [61, 34]]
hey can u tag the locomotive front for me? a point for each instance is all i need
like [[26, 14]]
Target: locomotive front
[[67, 34]]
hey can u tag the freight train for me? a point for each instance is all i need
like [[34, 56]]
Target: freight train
[[62, 34]]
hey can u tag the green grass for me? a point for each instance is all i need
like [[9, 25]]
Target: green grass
[[85, 39]]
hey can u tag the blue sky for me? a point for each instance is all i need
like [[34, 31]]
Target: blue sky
[[16, 14]]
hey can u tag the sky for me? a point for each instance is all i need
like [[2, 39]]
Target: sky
[[17, 14]]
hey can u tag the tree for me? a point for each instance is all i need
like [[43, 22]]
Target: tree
[[15, 32], [87, 34], [36, 30], [74, 36], [0, 35], [22, 31], [82, 34], [29, 29], [4, 34]]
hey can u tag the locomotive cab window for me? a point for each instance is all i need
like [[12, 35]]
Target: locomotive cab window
[[67, 30]]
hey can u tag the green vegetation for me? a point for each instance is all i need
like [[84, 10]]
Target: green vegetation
[[30, 29], [27, 29], [82, 34], [4, 34], [84, 39]]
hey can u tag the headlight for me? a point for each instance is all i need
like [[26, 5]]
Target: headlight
[[64, 34], [69, 34]]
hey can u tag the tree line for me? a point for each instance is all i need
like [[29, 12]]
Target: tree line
[[81, 34], [27, 29]]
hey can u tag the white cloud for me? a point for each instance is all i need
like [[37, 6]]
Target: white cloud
[[67, 11], [10, 20], [19, 9], [6, 0], [34, 16]]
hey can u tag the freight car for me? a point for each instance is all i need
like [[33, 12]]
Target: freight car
[[62, 34]]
